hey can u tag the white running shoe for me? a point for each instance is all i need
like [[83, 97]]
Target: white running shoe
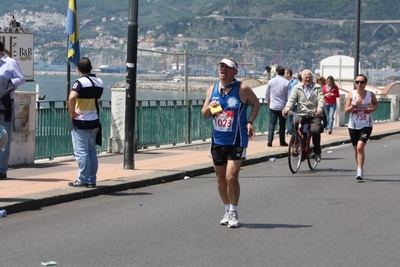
[[225, 219], [360, 175], [233, 220]]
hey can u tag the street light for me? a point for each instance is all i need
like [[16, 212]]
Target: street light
[[130, 95], [357, 41]]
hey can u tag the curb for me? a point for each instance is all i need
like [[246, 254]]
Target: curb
[[58, 196]]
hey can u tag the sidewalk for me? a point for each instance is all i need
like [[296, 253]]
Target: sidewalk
[[46, 182]]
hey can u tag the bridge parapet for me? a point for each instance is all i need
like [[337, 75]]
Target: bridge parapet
[[373, 25]]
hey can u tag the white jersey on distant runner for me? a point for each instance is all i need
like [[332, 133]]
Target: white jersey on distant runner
[[360, 117]]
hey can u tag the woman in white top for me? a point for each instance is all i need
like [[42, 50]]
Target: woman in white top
[[360, 104]]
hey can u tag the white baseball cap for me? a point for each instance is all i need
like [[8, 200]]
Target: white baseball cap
[[230, 63]]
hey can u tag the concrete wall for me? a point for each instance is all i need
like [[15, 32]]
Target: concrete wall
[[24, 129], [116, 141]]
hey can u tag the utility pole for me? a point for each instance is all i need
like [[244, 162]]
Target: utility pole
[[130, 94], [357, 40]]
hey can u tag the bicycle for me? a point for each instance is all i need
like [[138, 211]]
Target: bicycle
[[299, 146]]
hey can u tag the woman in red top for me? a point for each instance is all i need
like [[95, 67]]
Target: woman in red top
[[321, 81], [331, 92]]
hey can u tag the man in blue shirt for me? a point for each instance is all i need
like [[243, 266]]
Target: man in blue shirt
[[9, 69], [276, 97], [226, 103]]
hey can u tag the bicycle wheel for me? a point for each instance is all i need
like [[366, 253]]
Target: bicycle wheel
[[294, 152], [312, 163]]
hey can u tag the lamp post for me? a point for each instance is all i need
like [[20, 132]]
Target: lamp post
[[357, 40], [130, 94]]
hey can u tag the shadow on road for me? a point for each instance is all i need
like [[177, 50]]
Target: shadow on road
[[272, 226]]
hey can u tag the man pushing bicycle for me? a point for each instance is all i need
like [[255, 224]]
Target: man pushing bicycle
[[310, 99]]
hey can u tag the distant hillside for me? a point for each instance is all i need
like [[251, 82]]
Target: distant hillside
[[159, 12], [288, 39], [151, 12]]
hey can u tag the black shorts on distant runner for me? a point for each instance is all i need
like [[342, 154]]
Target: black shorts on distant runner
[[221, 154]]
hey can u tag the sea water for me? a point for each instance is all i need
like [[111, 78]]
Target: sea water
[[54, 87]]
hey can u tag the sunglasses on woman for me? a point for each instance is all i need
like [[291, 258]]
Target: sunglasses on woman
[[358, 82]]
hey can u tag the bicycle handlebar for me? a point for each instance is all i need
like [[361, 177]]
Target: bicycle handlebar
[[308, 114]]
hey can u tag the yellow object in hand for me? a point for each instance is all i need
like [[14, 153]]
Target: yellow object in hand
[[215, 110]]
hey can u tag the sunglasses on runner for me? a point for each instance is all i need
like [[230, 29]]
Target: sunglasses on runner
[[358, 82]]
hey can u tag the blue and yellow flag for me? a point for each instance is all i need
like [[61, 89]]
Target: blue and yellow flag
[[72, 30]]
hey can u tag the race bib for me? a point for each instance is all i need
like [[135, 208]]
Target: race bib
[[223, 121], [361, 114]]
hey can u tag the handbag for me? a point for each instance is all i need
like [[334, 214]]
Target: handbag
[[99, 135]]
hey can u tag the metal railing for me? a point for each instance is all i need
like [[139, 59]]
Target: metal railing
[[158, 123], [53, 129], [170, 122], [382, 113]]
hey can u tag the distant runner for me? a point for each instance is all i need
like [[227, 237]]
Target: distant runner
[[360, 104]]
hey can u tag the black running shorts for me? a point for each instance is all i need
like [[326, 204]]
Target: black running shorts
[[221, 154]]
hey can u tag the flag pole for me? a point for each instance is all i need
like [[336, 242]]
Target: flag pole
[[68, 76], [72, 29], [357, 40]]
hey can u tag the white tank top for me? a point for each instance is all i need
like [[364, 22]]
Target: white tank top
[[360, 117]]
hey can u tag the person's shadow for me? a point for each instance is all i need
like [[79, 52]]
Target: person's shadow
[[272, 225]]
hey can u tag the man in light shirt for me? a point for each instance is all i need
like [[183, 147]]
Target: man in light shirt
[[11, 71], [310, 100], [276, 97]]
